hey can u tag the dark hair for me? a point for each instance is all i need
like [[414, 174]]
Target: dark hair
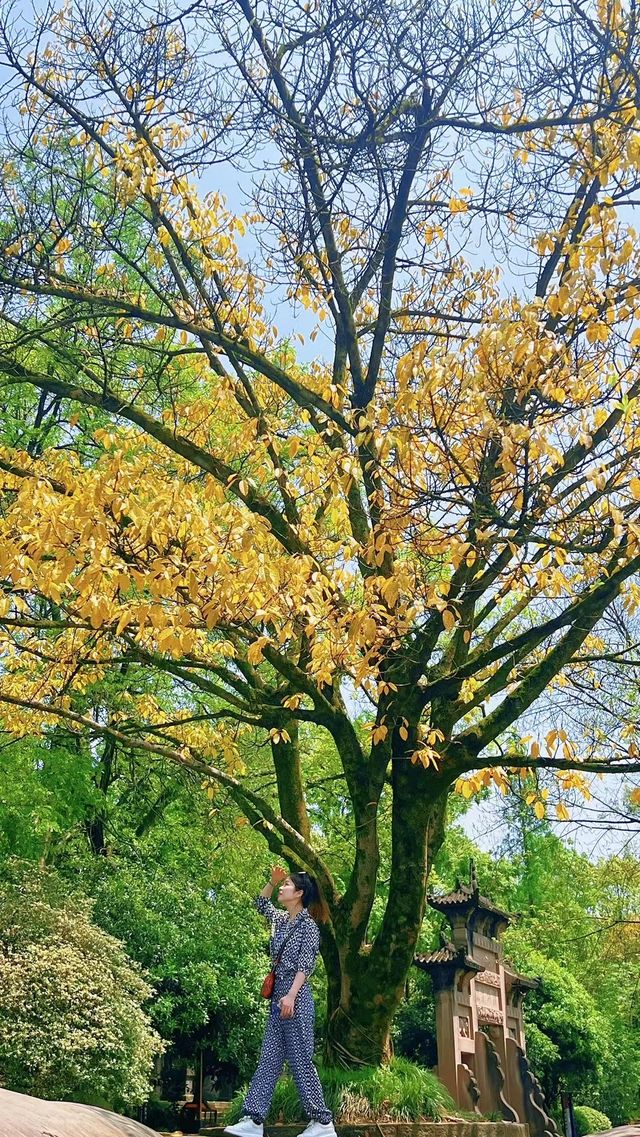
[[312, 898]]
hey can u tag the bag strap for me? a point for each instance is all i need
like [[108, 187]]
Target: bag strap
[[284, 942]]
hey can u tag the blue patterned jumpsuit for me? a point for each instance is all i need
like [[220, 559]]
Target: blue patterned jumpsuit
[[291, 1039]]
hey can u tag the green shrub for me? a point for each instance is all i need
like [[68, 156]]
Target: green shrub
[[590, 1120], [161, 1114], [73, 1022], [398, 1092]]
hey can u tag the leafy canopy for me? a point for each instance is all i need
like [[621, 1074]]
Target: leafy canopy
[[426, 514], [71, 1003], [445, 499]]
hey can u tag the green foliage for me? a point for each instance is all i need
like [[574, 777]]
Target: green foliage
[[590, 1120], [401, 1091], [161, 1115], [172, 877], [72, 1023], [568, 1018], [47, 790], [414, 1027], [204, 952], [168, 876], [582, 1027]]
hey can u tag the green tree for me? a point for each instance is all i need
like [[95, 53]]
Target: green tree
[[166, 877], [578, 930], [72, 1018], [203, 952], [430, 518]]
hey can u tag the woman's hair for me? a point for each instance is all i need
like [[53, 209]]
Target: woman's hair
[[312, 898]]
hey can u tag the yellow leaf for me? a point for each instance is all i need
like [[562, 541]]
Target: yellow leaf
[[457, 205], [539, 810], [634, 486], [379, 734], [390, 591], [122, 623], [277, 736], [448, 619]]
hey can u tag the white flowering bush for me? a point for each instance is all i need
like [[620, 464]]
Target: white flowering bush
[[72, 1018]]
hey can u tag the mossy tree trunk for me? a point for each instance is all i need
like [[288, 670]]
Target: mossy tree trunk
[[372, 976]]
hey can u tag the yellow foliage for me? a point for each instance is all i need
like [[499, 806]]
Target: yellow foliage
[[243, 514]]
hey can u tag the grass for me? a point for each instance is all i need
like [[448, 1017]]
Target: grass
[[401, 1091]]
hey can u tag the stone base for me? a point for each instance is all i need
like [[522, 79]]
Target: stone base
[[401, 1129]]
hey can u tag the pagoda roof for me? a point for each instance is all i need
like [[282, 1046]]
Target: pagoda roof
[[446, 954], [522, 982], [466, 896]]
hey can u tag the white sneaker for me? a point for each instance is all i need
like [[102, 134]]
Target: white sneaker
[[245, 1127], [318, 1129]]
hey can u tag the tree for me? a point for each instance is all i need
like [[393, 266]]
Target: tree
[[425, 524], [164, 882], [578, 932], [205, 959], [71, 1004]]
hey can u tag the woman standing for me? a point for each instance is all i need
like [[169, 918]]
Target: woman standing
[[294, 945]]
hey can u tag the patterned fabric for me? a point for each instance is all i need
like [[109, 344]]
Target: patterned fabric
[[289, 1040], [301, 938]]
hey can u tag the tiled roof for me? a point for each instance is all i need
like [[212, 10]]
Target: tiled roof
[[443, 955], [464, 895], [447, 954]]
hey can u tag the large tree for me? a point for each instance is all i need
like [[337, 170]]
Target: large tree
[[417, 500]]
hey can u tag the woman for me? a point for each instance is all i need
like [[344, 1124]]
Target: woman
[[294, 945]]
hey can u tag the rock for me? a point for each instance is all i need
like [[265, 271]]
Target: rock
[[23, 1116]]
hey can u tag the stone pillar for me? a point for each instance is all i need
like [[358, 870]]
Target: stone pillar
[[447, 1035]]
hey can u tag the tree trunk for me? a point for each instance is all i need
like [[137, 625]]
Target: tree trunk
[[362, 1005]]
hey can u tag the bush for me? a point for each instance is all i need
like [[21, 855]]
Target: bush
[[398, 1092], [72, 1023], [590, 1120], [161, 1114], [414, 1026], [568, 1041]]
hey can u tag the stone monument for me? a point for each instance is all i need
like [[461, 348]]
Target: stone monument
[[479, 1027]]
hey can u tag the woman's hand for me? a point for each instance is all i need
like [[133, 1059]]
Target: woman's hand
[[287, 1006], [278, 874]]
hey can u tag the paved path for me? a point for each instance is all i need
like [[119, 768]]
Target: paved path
[[23, 1116], [620, 1131]]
